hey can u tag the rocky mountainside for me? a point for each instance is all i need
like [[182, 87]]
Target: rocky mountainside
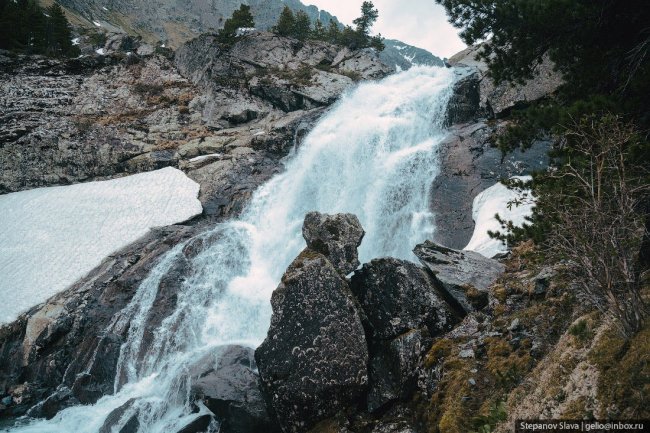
[[470, 160], [402, 56], [172, 23], [219, 115]]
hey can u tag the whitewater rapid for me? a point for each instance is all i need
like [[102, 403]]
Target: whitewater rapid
[[373, 154]]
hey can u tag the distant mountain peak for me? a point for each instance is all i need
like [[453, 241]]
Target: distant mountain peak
[[402, 56]]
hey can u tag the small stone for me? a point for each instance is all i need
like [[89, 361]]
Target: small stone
[[514, 325], [543, 281], [472, 381], [466, 353]]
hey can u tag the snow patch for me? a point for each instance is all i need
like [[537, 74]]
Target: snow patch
[[97, 24], [75, 41], [203, 157], [490, 202], [101, 51], [52, 237]]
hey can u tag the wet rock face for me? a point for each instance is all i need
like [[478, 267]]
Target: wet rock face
[[231, 390], [397, 296], [470, 163], [464, 275], [66, 351], [337, 237], [113, 419], [465, 103], [314, 360], [469, 160]]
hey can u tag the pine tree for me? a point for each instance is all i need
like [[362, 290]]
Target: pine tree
[[286, 23], [33, 24], [352, 38], [241, 18], [58, 36], [359, 37], [333, 33], [302, 26], [377, 42], [319, 32], [27, 28], [8, 21], [368, 17]]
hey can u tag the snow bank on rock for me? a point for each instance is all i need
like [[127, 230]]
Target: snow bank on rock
[[51, 237], [486, 205]]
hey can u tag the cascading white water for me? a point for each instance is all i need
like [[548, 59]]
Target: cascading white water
[[373, 155]]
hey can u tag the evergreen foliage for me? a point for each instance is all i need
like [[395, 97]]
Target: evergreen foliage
[[241, 18], [333, 33], [299, 26], [27, 28], [593, 206], [368, 17], [286, 23], [319, 32], [58, 32], [302, 26]]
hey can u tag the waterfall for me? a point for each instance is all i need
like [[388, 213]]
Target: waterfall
[[373, 154]]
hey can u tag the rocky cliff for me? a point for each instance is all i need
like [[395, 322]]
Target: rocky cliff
[[221, 115], [471, 162]]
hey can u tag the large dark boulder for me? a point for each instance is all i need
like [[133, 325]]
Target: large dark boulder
[[398, 296], [394, 367], [403, 309], [230, 388], [336, 237], [464, 275], [313, 362]]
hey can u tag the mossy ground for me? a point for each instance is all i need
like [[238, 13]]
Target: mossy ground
[[520, 331], [624, 379]]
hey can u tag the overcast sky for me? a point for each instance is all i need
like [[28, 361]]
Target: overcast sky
[[422, 23]]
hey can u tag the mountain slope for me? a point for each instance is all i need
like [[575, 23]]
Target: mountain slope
[[174, 22], [401, 56]]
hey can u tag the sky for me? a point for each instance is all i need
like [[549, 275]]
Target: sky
[[422, 23]]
